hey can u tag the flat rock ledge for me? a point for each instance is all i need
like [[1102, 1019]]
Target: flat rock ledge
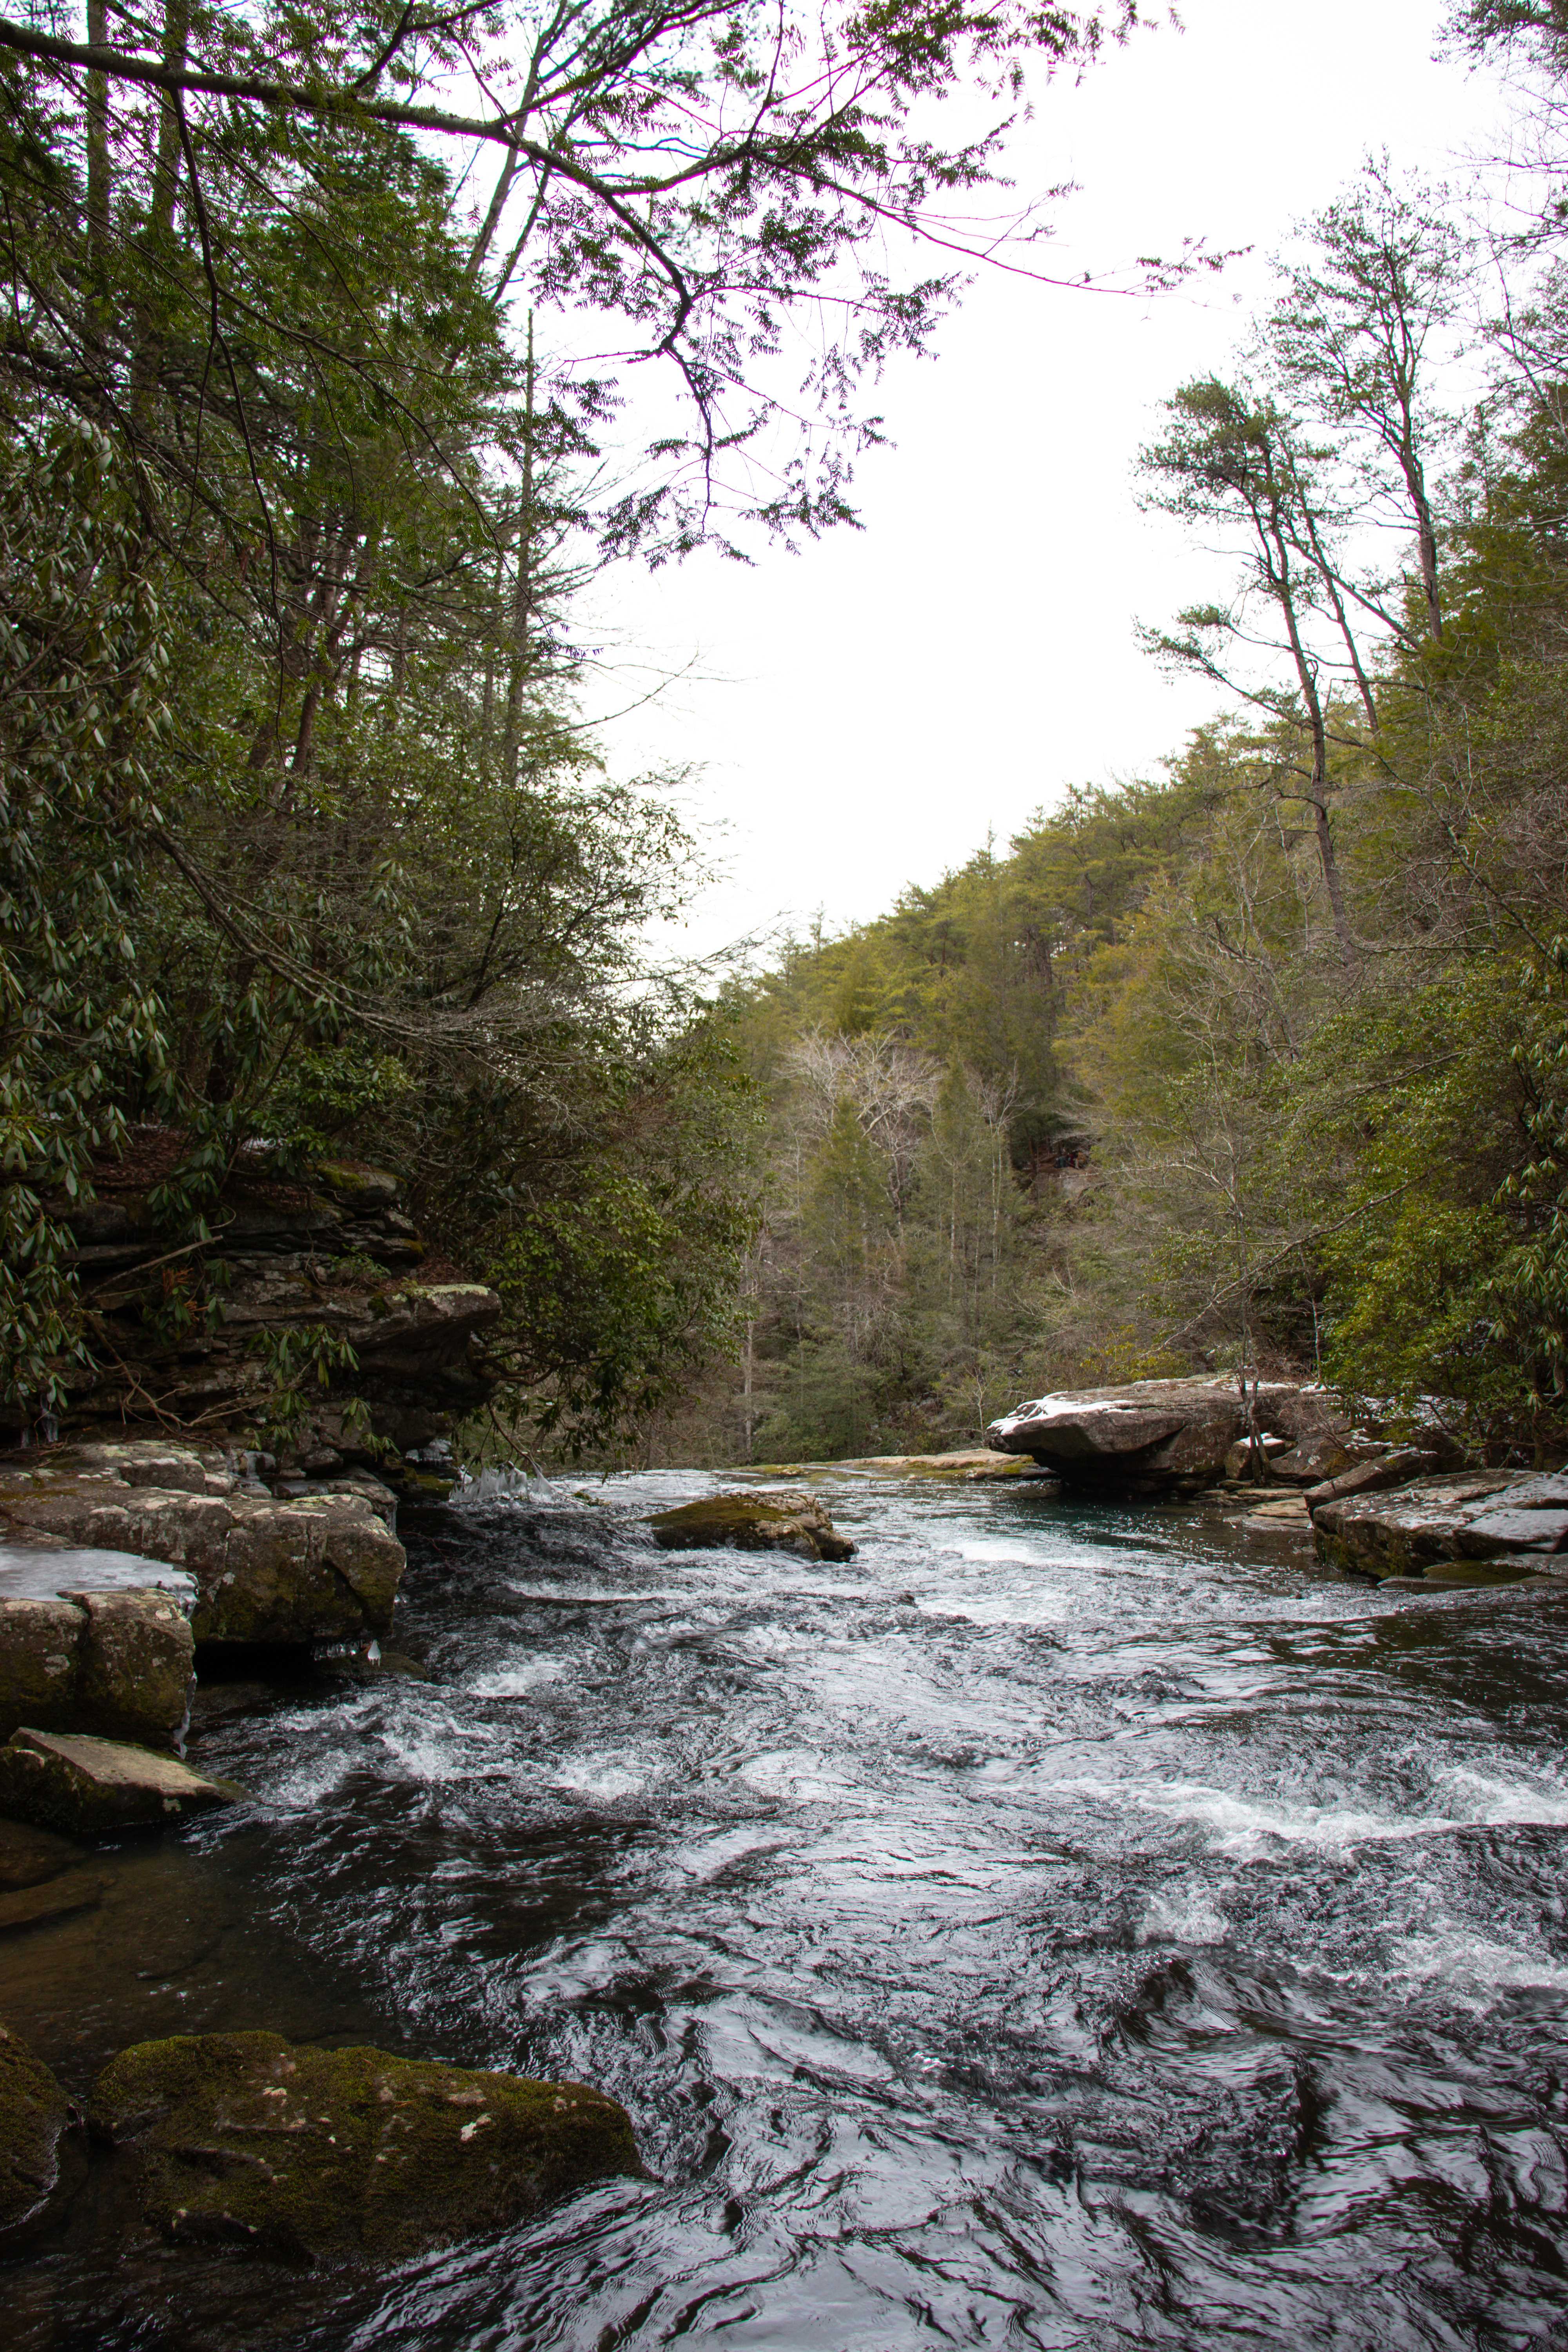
[[34, 2118], [308, 1568], [239, 2139], [1152, 1437], [87, 1787], [1498, 1521], [781, 1520]]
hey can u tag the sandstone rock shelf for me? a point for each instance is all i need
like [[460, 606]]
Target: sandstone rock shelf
[[1154, 1438], [314, 1566], [87, 1787], [1485, 1517]]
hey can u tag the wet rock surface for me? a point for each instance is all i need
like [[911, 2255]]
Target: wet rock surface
[[34, 2117], [1472, 1517], [1155, 1436], [781, 1520], [116, 1663], [238, 2139], [87, 1788], [315, 1566]]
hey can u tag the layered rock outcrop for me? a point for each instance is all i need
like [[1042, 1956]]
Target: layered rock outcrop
[[1479, 1516], [182, 1333], [1158, 1436], [311, 1567]]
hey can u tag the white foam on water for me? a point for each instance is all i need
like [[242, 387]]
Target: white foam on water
[[1187, 1916], [1247, 1826], [516, 1682], [597, 1777], [1464, 1963], [1498, 1803], [433, 1754], [1044, 1605], [1025, 1555], [508, 1484], [794, 1772], [706, 1858]]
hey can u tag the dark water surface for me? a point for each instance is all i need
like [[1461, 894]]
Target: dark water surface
[[1056, 1927]]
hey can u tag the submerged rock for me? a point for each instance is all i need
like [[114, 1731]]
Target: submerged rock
[[759, 1521], [1471, 1516], [318, 1567], [980, 1462], [239, 2139], [34, 2118], [119, 1663], [91, 1788]]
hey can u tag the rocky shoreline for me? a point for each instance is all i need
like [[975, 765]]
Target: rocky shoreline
[[125, 1563], [1378, 1506]]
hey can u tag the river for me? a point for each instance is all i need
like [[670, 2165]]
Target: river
[[1061, 1925]]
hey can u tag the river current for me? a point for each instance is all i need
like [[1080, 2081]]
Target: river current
[[1061, 1925]]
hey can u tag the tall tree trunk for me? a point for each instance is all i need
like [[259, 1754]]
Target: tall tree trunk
[[1318, 797], [97, 190], [522, 599], [150, 323], [1425, 542]]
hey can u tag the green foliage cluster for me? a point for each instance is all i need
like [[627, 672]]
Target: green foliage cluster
[[83, 661], [303, 847]]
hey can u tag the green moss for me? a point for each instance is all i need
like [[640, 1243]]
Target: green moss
[[752, 1522], [33, 2115], [356, 1181], [302, 2153], [737, 1512]]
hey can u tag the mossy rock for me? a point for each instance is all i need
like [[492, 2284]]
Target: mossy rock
[[90, 1787], [34, 2117], [357, 1184], [777, 1522], [304, 2154]]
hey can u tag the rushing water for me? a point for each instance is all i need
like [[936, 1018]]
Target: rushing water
[[1058, 1926]]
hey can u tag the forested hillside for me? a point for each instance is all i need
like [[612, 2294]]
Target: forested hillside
[[1262, 1061]]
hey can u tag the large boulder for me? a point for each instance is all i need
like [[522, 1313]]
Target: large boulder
[[94, 1787], [783, 1520], [120, 1663], [313, 1568], [1150, 1436], [239, 2139], [34, 2119], [1484, 1514]]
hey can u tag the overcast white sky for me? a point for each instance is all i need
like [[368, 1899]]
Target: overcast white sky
[[869, 710]]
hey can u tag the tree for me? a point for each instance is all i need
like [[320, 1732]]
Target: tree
[[1231, 458], [83, 657], [1352, 332], [701, 180]]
